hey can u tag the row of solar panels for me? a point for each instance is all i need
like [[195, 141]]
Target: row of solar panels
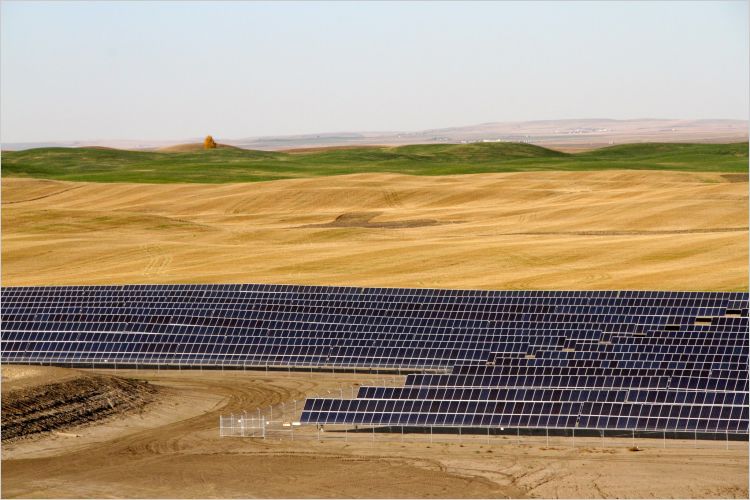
[[335, 290], [541, 395], [424, 326], [152, 344], [360, 300], [613, 306], [145, 346], [209, 307], [455, 320], [641, 417]]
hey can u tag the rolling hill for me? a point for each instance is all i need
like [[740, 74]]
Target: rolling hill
[[226, 165]]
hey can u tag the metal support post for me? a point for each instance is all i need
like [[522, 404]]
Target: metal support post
[[430, 434], [574, 437], [546, 431]]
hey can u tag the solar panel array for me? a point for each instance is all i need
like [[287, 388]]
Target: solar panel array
[[587, 359]]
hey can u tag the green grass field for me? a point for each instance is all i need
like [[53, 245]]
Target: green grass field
[[238, 165]]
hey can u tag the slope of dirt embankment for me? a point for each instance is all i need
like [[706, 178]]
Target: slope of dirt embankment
[[32, 410]]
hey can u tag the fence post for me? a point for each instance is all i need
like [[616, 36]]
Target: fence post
[[518, 435], [488, 436], [633, 438], [430, 434], [546, 431], [727, 434]]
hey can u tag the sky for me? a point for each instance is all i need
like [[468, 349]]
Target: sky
[[161, 71]]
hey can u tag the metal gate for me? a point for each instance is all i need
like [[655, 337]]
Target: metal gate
[[242, 426]]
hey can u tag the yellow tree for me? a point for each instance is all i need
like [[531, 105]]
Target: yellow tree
[[208, 143]]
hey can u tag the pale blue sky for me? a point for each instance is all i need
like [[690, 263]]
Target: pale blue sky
[[148, 70]]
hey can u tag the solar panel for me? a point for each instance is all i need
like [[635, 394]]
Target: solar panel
[[646, 360]]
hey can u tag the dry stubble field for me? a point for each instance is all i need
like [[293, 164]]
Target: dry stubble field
[[538, 230]]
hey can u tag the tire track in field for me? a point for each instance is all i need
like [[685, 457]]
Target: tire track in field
[[42, 197], [629, 233]]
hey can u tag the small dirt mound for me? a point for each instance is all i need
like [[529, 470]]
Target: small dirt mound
[[364, 219], [735, 177], [54, 407]]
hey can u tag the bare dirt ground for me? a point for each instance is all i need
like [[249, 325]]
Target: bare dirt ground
[[530, 230], [173, 450]]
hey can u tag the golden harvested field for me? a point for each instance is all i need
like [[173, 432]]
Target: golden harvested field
[[530, 230], [172, 449]]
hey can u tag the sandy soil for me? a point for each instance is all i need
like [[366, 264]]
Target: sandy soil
[[175, 451], [543, 230]]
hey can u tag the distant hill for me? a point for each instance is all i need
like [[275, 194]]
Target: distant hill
[[239, 165], [565, 135]]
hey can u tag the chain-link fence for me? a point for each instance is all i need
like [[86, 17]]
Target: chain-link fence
[[292, 430]]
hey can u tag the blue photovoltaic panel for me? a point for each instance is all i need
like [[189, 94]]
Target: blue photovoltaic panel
[[647, 360]]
